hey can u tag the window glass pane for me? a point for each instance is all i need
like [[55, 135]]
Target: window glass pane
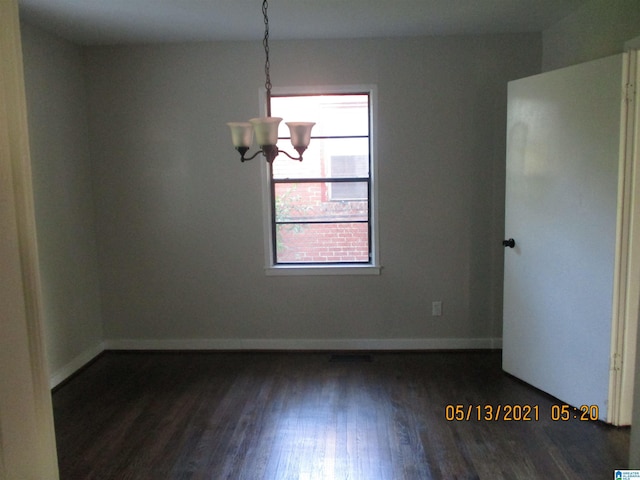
[[348, 191], [343, 166], [322, 243], [319, 159], [313, 202], [335, 115]]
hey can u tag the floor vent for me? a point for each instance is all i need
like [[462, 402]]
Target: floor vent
[[350, 358]]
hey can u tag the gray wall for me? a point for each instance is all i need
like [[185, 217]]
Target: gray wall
[[179, 218], [56, 103], [597, 29]]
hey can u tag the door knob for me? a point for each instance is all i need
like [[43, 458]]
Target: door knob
[[509, 243]]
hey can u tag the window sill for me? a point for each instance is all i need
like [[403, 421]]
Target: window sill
[[285, 270]]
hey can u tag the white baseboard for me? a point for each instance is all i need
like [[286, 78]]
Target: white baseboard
[[74, 365], [88, 355], [306, 344]]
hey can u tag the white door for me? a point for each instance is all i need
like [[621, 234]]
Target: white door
[[562, 197]]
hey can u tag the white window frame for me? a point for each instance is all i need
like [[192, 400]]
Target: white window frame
[[371, 268]]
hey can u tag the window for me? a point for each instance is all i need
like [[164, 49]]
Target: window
[[322, 209]]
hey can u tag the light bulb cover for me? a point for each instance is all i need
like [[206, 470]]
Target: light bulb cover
[[266, 129], [241, 134], [300, 133]]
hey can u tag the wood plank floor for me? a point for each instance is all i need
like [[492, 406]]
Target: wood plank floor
[[313, 416]]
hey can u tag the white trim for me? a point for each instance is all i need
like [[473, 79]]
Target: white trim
[[27, 436], [283, 270], [374, 268], [60, 375], [627, 259], [306, 344]]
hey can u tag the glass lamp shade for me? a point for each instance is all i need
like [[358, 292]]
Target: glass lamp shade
[[241, 134], [266, 129], [300, 133]]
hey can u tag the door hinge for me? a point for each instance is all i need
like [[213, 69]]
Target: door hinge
[[629, 92], [616, 362]]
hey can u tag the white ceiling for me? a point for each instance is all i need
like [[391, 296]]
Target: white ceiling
[[143, 21]]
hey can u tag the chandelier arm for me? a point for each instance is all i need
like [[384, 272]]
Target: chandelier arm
[[299, 158], [246, 159]]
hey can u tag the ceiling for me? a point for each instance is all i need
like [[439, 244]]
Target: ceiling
[[91, 22]]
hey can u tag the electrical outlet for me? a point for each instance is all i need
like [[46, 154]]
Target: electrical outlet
[[436, 309]]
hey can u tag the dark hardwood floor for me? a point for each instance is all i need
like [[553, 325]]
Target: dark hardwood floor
[[315, 416]]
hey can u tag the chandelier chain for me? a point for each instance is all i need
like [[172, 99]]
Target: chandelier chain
[[265, 42]]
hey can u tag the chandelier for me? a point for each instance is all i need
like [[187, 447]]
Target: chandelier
[[266, 128]]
